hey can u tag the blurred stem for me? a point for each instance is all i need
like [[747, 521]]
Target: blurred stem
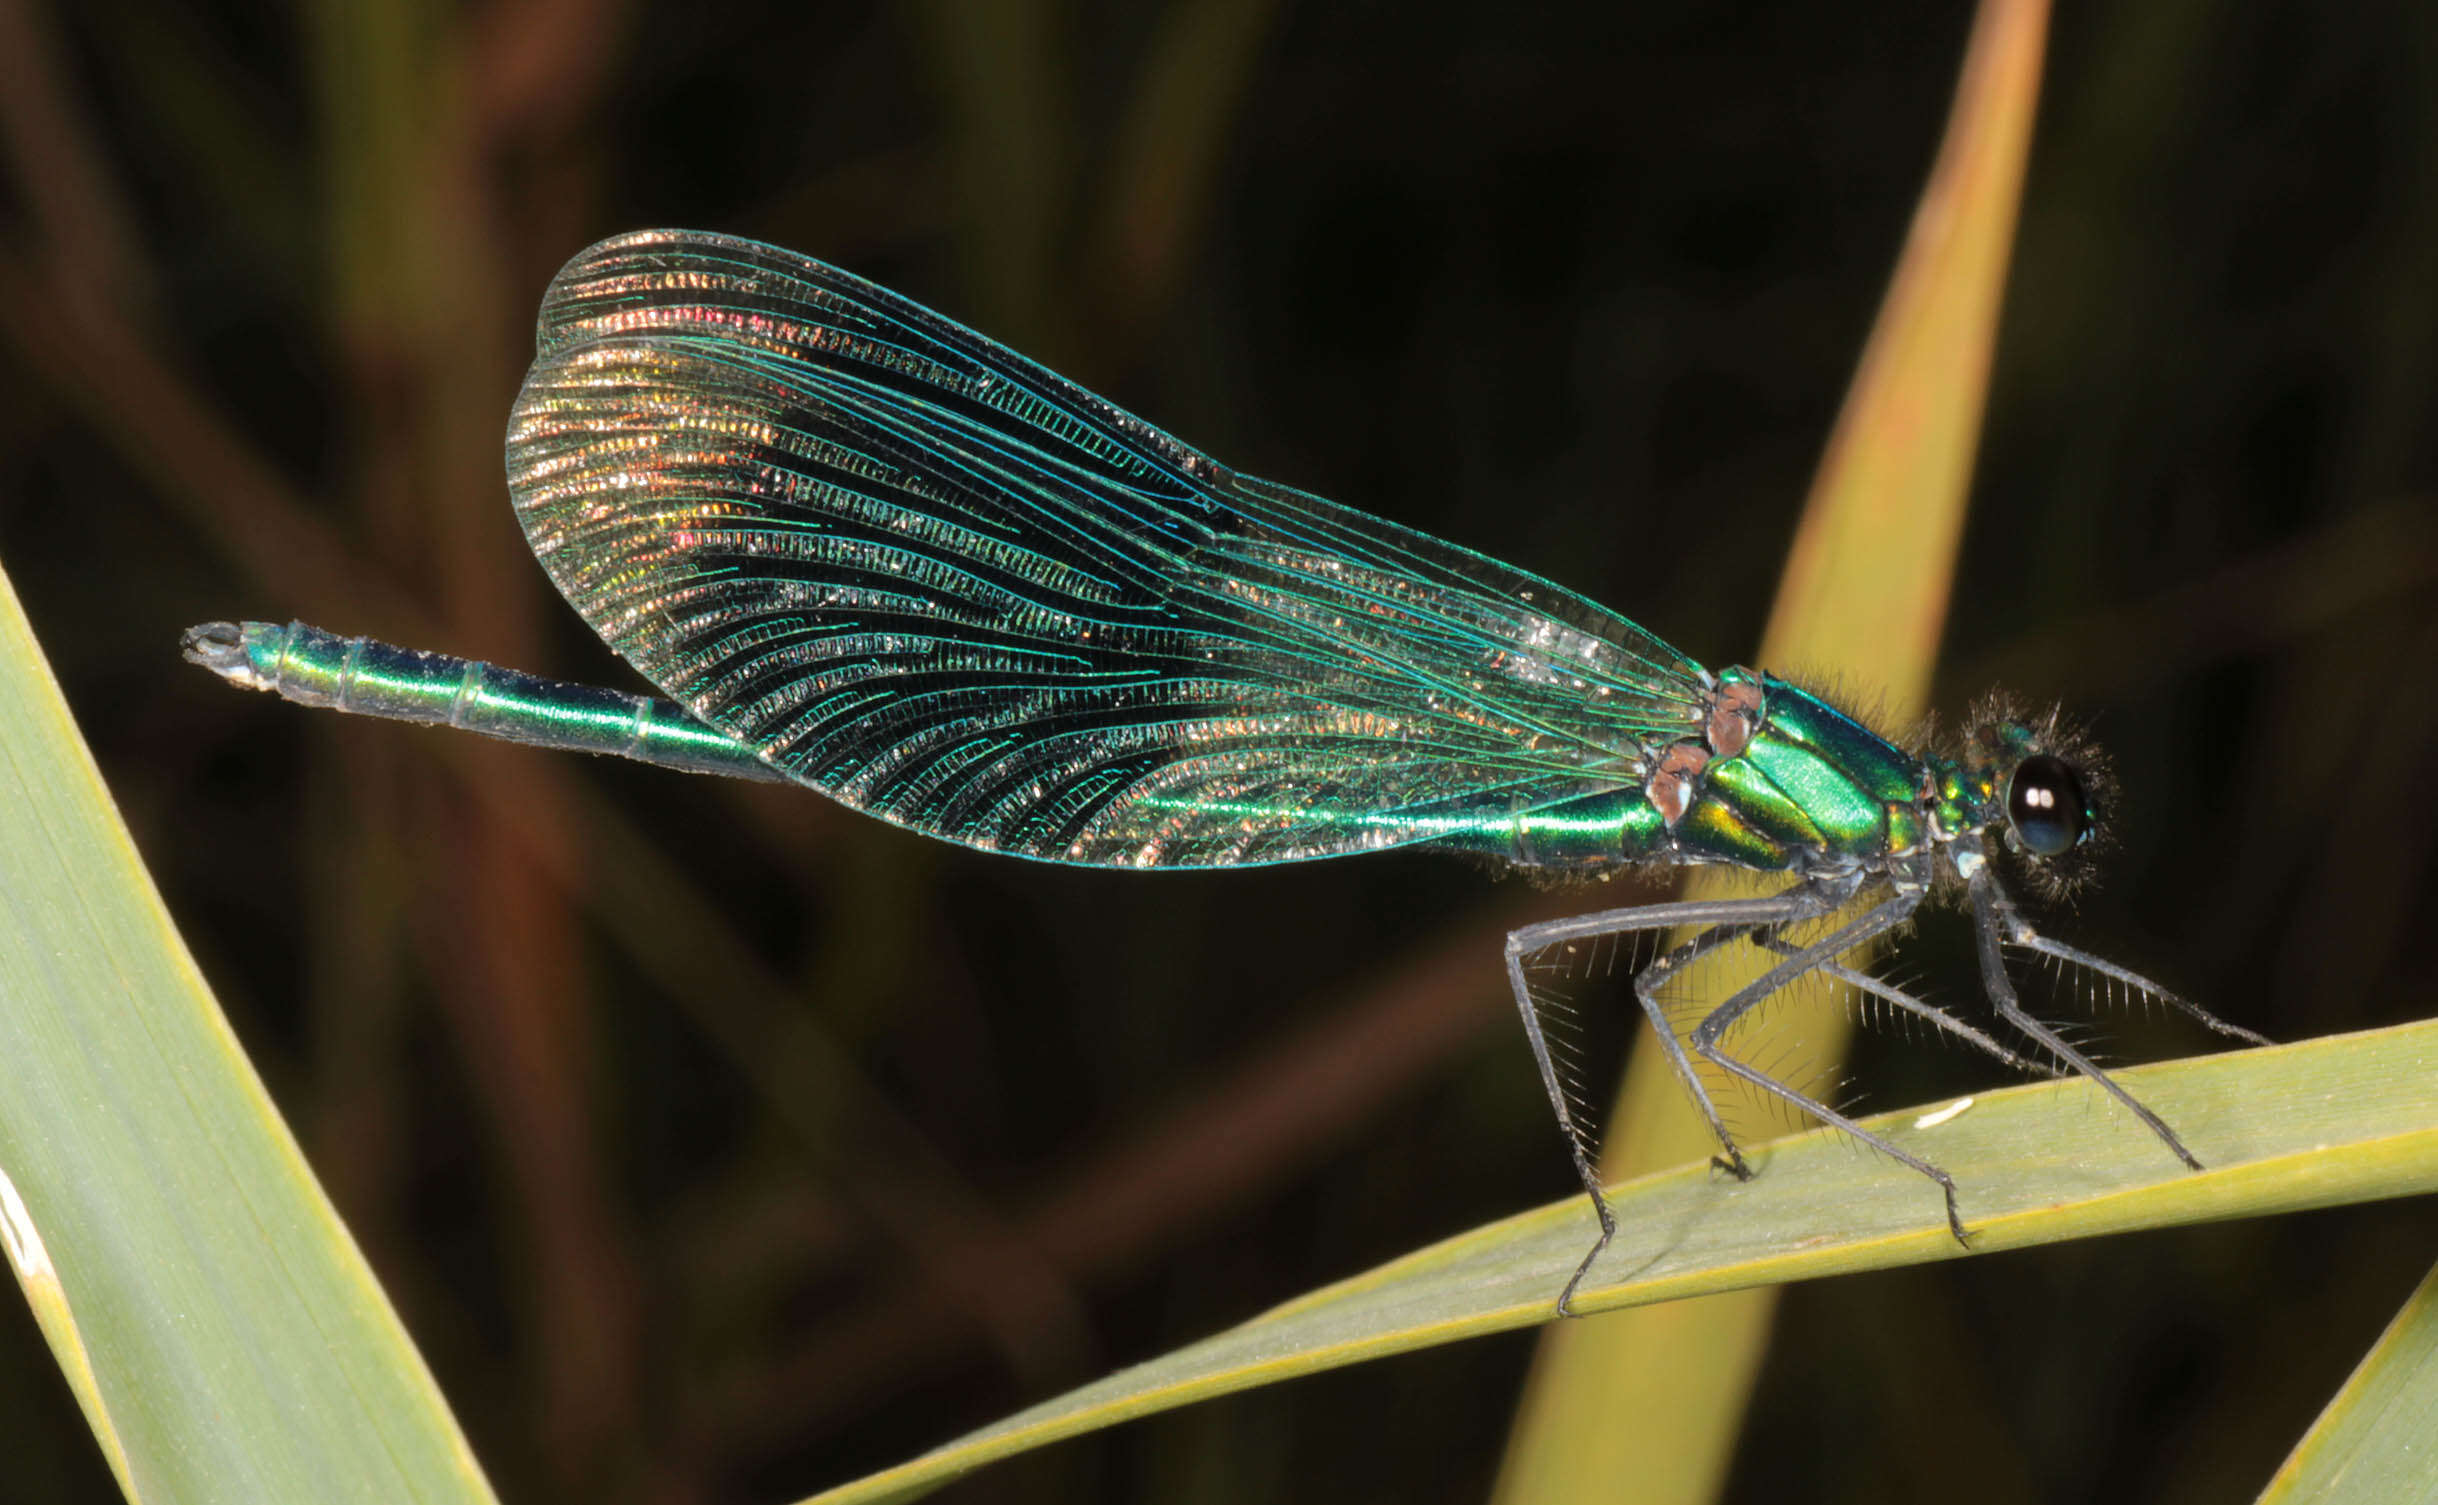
[[1190, 89], [1001, 76], [1647, 1404], [433, 343], [58, 164]]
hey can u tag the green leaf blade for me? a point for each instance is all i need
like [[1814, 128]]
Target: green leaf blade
[[2378, 1438], [220, 1328], [2343, 1119]]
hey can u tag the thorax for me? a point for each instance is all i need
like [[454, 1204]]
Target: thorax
[[1771, 777]]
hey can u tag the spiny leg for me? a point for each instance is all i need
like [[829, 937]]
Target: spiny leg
[[1889, 993], [1725, 919], [1647, 984], [2020, 933], [1992, 912], [1811, 958]]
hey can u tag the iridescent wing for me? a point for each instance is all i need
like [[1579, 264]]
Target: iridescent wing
[[944, 585]]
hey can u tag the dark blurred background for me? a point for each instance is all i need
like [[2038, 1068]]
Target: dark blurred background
[[718, 1144]]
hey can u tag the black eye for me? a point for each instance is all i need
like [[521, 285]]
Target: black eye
[[2045, 806]]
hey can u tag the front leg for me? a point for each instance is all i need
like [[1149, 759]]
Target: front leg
[[1995, 917], [2018, 931], [1896, 997]]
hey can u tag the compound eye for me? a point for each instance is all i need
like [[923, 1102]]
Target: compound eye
[[2045, 806]]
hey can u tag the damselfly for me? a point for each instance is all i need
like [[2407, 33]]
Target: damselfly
[[867, 550]]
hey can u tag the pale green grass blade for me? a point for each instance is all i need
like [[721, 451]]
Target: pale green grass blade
[[1652, 1404], [2378, 1439], [2343, 1119], [218, 1326]]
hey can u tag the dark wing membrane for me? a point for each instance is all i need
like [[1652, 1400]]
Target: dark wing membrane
[[946, 586]]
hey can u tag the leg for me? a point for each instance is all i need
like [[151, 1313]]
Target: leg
[[1887, 992], [2021, 933], [1994, 918], [1812, 958], [1725, 920]]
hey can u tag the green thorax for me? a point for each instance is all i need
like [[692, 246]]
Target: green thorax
[[1771, 778], [1809, 785]]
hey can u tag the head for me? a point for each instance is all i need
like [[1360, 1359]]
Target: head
[[2036, 789]]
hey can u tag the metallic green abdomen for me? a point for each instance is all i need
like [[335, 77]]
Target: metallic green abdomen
[[1595, 833]]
